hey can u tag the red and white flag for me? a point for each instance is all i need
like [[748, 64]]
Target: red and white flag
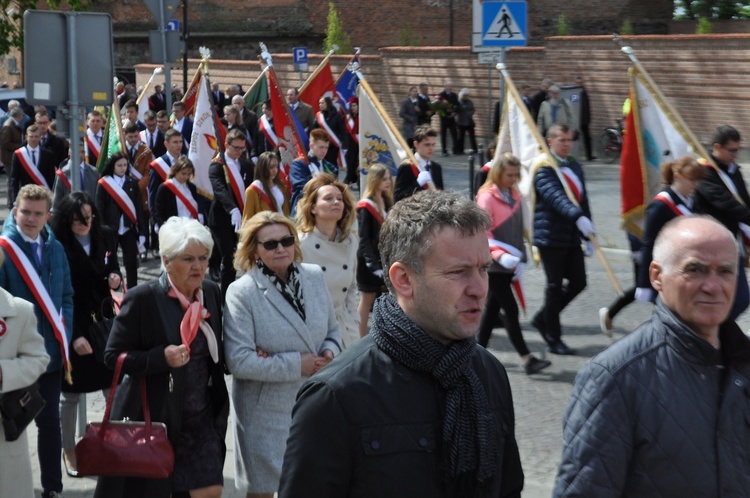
[[203, 142], [319, 84]]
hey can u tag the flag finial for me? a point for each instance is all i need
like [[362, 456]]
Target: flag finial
[[205, 53]]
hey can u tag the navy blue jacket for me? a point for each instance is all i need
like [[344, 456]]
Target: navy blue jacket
[[554, 214], [299, 174]]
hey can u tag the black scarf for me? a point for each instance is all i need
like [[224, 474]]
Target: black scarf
[[469, 431], [291, 290]]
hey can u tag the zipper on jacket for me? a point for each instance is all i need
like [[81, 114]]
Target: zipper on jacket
[[171, 382]]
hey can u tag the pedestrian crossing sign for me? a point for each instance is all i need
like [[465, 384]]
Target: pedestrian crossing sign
[[502, 24]]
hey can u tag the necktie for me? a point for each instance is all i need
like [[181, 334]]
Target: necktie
[[35, 252], [427, 166], [151, 141], [131, 153], [99, 139], [82, 177], [33, 156], [44, 140]]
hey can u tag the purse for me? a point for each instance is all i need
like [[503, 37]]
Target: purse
[[125, 448], [99, 329], [18, 408]]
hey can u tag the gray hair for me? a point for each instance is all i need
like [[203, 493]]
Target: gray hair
[[407, 231], [463, 93], [237, 99], [178, 233], [13, 104], [17, 112], [665, 253]]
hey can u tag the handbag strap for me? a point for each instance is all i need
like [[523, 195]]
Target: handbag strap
[[111, 397]]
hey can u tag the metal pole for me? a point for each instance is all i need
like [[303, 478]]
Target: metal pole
[[502, 84], [167, 62], [491, 112], [185, 44], [471, 174], [73, 104]]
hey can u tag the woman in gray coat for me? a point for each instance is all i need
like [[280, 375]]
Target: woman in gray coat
[[279, 329]]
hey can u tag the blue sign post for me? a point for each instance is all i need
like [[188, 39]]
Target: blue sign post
[[299, 54], [502, 24]]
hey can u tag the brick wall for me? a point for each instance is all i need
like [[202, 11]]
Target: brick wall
[[705, 77]]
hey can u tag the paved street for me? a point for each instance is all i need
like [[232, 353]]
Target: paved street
[[539, 401]]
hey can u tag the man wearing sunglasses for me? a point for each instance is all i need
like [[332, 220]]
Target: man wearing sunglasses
[[723, 195], [229, 174]]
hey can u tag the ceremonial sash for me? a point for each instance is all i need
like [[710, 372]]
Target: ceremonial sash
[[678, 209], [416, 170], [574, 183], [30, 276], [372, 208], [267, 130], [487, 167], [94, 146], [161, 167], [23, 155], [284, 176], [181, 197], [514, 251], [237, 184], [135, 173], [353, 129], [64, 179], [324, 124], [121, 198], [263, 195]]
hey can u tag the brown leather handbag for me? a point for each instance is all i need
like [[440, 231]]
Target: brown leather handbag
[[125, 448]]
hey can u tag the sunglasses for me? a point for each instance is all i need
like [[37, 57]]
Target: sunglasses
[[271, 245]]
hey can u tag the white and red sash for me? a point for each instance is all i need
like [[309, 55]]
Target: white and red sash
[[416, 170], [121, 198], [30, 276], [496, 245], [135, 174], [267, 130], [678, 209], [94, 146], [181, 197], [284, 176], [258, 188], [161, 167], [486, 168], [574, 183], [236, 183], [25, 158], [334, 138], [352, 127], [64, 179], [372, 208]]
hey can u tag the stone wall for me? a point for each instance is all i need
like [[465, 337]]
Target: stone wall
[[704, 76]]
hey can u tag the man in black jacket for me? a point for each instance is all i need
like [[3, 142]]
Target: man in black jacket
[[411, 178], [417, 407], [663, 412], [229, 176], [723, 195], [561, 218]]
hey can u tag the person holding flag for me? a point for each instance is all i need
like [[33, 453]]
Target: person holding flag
[[502, 201], [411, 177], [304, 169], [158, 172], [559, 224], [329, 119], [36, 269], [351, 140], [118, 200]]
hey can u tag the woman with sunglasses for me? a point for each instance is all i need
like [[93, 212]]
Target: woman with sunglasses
[[279, 328]]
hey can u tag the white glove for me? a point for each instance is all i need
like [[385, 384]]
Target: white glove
[[141, 244], [201, 218], [644, 295], [585, 226], [255, 159], [156, 229], [424, 178], [236, 219], [508, 261], [589, 249], [519, 271], [378, 273]]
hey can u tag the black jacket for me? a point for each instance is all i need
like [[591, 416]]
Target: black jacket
[[166, 203], [149, 322], [555, 214], [406, 181], [660, 413], [367, 426], [224, 199], [716, 199], [110, 211], [19, 177]]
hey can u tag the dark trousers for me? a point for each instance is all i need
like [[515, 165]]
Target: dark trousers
[[226, 243], [742, 294], [586, 136], [560, 263], [627, 297], [49, 440], [500, 296], [128, 242], [462, 131], [352, 164], [448, 124]]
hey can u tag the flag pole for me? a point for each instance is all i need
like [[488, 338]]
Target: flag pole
[[157, 70], [317, 69], [351, 61], [553, 164], [256, 82], [388, 122], [203, 68]]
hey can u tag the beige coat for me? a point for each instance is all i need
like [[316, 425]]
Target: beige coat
[[22, 360], [338, 260]]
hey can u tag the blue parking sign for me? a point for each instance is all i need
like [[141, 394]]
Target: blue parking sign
[[300, 55], [504, 24]]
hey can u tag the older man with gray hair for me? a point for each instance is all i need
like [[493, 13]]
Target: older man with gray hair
[[416, 408], [664, 411], [555, 110]]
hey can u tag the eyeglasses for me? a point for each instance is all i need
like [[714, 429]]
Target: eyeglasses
[[237, 147], [271, 245], [733, 150]]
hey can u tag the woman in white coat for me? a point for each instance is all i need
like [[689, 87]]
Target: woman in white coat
[[325, 216], [279, 329], [22, 360]]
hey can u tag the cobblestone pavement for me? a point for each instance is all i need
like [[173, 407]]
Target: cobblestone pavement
[[539, 400]]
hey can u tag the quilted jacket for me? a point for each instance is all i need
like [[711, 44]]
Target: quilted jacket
[[660, 413], [554, 214]]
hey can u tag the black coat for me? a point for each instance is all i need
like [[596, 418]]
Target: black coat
[[19, 177], [88, 275], [368, 254], [555, 214], [406, 181], [166, 203], [224, 200], [149, 322], [110, 211], [716, 199], [368, 426], [58, 147]]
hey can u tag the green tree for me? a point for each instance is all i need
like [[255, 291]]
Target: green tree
[[562, 26], [704, 26], [335, 34], [11, 14], [627, 27], [711, 9]]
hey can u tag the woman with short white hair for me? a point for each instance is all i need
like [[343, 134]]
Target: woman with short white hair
[[465, 120], [171, 330]]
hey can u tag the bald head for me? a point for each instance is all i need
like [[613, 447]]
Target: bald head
[[682, 231]]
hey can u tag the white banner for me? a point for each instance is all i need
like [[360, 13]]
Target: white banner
[[377, 143], [203, 143]]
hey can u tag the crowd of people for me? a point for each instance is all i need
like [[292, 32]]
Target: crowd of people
[[354, 331]]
